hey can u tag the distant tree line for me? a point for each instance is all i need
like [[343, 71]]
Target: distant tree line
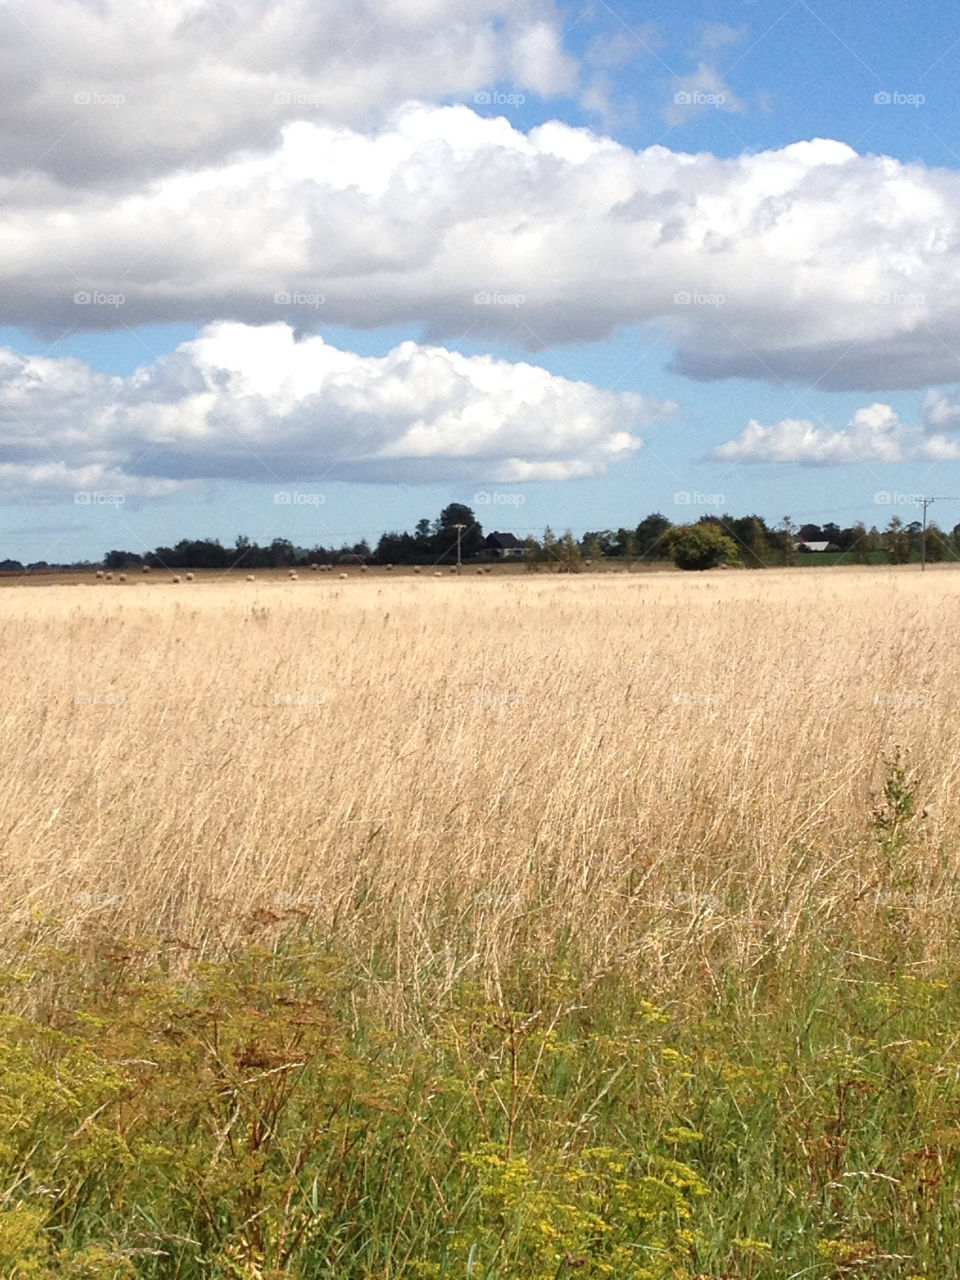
[[433, 542], [712, 539]]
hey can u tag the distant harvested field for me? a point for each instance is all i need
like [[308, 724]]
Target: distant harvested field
[[674, 773], [135, 577]]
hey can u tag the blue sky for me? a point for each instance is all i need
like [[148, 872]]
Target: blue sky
[[316, 277]]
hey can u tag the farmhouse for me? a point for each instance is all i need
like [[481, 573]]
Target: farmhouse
[[501, 546]]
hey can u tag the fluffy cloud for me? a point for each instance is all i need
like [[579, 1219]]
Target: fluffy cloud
[[938, 448], [941, 411], [873, 434], [99, 91], [720, 35], [702, 90], [50, 480], [256, 403], [607, 56], [810, 263]]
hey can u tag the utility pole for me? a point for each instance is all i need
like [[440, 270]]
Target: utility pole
[[926, 502], [459, 528]]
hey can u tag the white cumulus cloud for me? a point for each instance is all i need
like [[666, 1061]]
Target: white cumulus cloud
[[874, 434], [118, 90], [809, 263], [702, 90], [941, 412], [257, 403]]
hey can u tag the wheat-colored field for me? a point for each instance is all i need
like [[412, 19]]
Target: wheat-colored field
[[672, 772]]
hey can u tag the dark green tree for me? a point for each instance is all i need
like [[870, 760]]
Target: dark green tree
[[788, 538], [568, 554], [606, 538], [445, 536], [532, 553], [593, 549], [396, 548], [549, 548], [280, 553], [758, 544], [701, 546], [859, 549], [915, 538], [938, 545], [896, 542], [649, 536], [121, 560]]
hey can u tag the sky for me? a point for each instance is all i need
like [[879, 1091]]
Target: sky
[[289, 268]]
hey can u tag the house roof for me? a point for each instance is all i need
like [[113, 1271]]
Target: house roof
[[503, 541], [813, 546]]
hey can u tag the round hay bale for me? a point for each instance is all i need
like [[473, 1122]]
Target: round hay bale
[[189, 577], [343, 575], [99, 573], [251, 578], [123, 577], [176, 577]]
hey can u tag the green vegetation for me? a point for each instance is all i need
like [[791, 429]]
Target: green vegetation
[[757, 544], [810, 559], [700, 546], [266, 1116], [251, 1118]]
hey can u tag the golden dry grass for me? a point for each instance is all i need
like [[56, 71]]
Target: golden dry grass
[[674, 772]]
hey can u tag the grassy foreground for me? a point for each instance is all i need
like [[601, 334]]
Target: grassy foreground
[[477, 930], [253, 1117]]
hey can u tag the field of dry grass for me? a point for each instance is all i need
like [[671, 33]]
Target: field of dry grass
[[671, 773], [519, 927]]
